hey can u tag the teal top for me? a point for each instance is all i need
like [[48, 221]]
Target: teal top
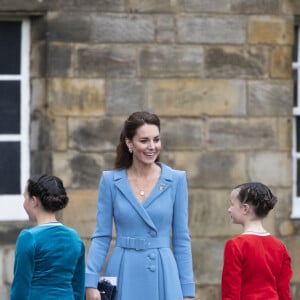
[[49, 264]]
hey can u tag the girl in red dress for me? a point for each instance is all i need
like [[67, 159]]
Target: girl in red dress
[[257, 265]]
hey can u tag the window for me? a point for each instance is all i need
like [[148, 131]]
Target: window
[[14, 117]]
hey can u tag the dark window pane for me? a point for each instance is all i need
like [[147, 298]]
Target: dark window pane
[[10, 168], [295, 50], [298, 133], [295, 87], [10, 47], [9, 107], [298, 178]]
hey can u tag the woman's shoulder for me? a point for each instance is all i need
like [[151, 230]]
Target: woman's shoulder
[[166, 169], [113, 173]]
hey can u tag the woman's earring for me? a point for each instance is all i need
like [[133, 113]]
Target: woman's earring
[[130, 150]]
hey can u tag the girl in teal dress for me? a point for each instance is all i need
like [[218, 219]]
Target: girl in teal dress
[[49, 257]]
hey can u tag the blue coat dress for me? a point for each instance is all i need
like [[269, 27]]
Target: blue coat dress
[[142, 260]]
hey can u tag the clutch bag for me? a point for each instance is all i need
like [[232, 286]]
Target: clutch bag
[[107, 290]]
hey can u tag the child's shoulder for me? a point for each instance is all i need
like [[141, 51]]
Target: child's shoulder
[[252, 238]]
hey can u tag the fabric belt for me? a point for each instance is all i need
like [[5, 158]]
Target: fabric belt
[[141, 243]]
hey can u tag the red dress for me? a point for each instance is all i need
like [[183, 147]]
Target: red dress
[[256, 267]]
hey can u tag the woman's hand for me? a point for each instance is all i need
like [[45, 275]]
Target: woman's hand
[[92, 294]]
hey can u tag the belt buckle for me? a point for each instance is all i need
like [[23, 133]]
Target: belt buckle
[[140, 244]]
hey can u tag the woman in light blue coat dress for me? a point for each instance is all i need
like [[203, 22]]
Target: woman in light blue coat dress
[[148, 202]]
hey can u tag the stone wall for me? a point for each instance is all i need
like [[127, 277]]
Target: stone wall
[[217, 72]]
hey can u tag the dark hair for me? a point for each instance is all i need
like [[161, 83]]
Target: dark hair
[[50, 190], [135, 121], [258, 195]]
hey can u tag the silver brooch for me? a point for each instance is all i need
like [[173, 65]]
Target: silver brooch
[[161, 187]]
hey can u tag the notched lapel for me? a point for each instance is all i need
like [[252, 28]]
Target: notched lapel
[[161, 187], [122, 185]]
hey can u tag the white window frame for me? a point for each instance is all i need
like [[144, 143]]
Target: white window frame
[[11, 206]]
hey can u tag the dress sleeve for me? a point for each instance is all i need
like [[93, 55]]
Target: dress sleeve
[[285, 275], [102, 236], [78, 278], [181, 238], [231, 274], [23, 266]]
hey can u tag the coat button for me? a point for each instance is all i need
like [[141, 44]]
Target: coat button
[[152, 256], [152, 268]]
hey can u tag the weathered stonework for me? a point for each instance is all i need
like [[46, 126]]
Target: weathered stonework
[[197, 97], [236, 62], [75, 97], [218, 73], [270, 30]]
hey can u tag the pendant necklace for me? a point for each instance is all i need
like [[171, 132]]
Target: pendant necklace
[[141, 192]]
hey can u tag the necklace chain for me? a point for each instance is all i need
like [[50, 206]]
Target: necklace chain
[[141, 192], [148, 181]]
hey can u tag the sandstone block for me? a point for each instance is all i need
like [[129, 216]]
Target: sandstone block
[[95, 61], [38, 96], [125, 96], [165, 28], [281, 58], [61, 167], [213, 169], [210, 30], [93, 5], [286, 228], [197, 97], [79, 170], [270, 30], [4, 292], [291, 7], [242, 134], [237, 62], [41, 162], [270, 98], [208, 207], [256, 6], [208, 260], [123, 29], [171, 62], [285, 133], [81, 210], [29, 6], [151, 6], [208, 292], [38, 60], [58, 134], [207, 6], [93, 134], [272, 168], [9, 259], [182, 134], [282, 209], [71, 27], [59, 60], [74, 97]]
